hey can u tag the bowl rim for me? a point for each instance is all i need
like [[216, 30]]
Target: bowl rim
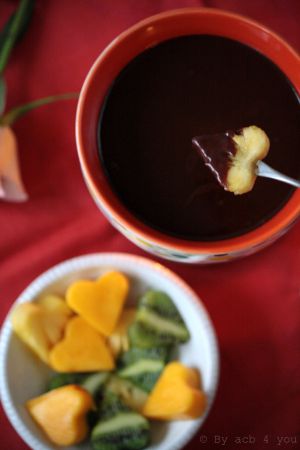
[[265, 232], [94, 260]]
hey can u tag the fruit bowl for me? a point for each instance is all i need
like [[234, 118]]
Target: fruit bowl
[[23, 376]]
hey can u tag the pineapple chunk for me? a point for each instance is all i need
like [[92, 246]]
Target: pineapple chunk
[[252, 145], [41, 324], [232, 156], [55, 317], [118, 341], [27, 323]]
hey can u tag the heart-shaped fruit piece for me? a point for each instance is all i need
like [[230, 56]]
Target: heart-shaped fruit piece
[[61, 414], [41, 324], [176, 395], [99, 302], [83, 349]]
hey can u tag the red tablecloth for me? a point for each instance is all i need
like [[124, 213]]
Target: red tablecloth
[[254, 303]]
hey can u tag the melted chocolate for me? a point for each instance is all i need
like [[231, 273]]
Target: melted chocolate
[[185, 87], [217, 151]]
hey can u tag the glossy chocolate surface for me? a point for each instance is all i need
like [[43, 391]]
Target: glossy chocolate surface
[[217, 151], [192, 86]]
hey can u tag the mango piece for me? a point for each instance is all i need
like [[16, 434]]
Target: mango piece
[[28, 323], [61, 414], [56, 316], [99, 302], [119, 340], [176, 395], [83, 349]]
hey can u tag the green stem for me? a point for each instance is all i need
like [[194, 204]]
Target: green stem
[[11, 116], [13, 33], [2, 94]]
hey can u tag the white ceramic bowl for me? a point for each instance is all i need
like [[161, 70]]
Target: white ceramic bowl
[[22, 376]]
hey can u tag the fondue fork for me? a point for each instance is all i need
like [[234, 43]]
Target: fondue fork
[[263, 170]]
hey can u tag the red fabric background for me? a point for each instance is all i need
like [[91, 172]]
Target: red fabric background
[[254, 303]]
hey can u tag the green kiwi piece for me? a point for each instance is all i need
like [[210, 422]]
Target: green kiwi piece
[[92, 382], [143, 373], [134, 354], [160, 317], [118, 427], [132, 396]]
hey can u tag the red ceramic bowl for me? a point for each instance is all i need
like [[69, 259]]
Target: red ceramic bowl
[[108, 65]]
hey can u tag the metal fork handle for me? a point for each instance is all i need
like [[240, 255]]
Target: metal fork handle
[[263, 170]]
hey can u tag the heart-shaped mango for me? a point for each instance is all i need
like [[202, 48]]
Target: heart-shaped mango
[[41, 324], [176, 395], [99, 302], [61, 414], [83, 349]]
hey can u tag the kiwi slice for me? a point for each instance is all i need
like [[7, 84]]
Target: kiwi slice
[[158, 322], [143, 373], [134, 354], [62, 379], [95, 382], [118, 427], [92, 382], [132, 396]]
